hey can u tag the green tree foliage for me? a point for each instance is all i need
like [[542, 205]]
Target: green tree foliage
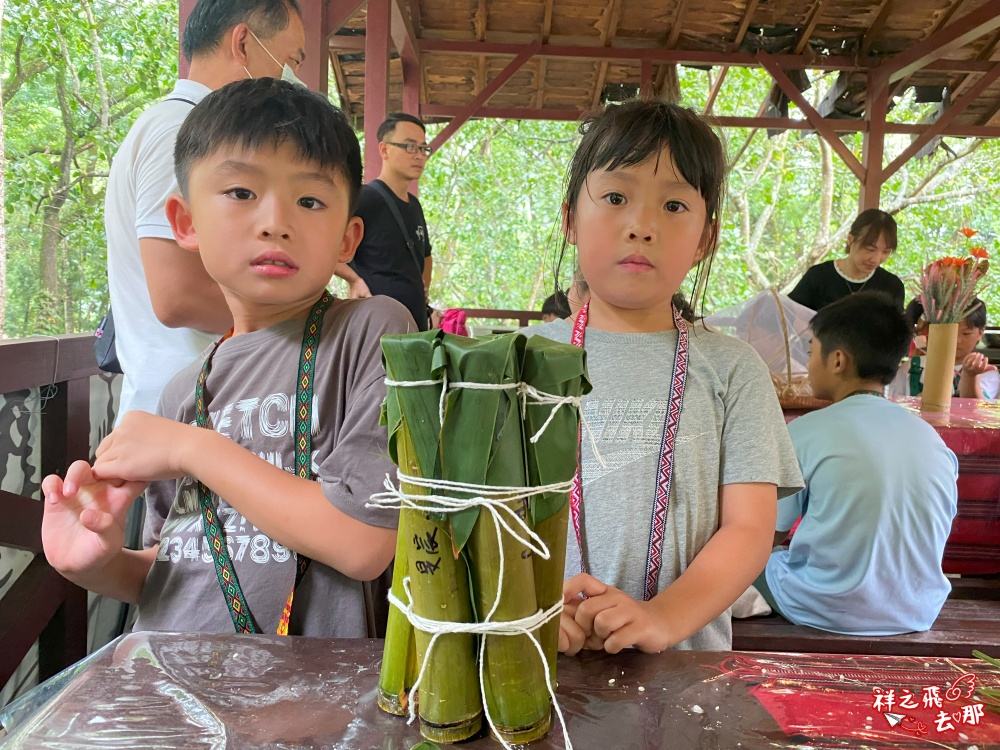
[[76, 73]]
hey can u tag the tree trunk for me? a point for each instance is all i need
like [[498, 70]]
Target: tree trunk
[[51, 219], [3, 196]]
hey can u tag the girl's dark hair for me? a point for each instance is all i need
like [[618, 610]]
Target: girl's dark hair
[[628, 134], [282, 112], [871, 224]]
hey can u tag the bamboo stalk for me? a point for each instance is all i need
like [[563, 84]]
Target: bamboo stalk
[[512, 672], [549, 580], [558, 370], [449, 705], [400, 652]]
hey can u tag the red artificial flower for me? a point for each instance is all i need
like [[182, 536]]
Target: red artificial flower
[[979, 252], [970, 233]]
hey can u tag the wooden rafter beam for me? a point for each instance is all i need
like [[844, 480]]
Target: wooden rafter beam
[[338, 76], [677, 25], [815, 119], [543, 63], [984, 54], [481, 20], [660, 55], [547, 22], [901, 85], [773, 123], [807, 31], [404, 37], [542, 72], [744, 24], [607, 36], [954, 36], [471, 109], [339, 12], [876, 27], [939, 126]]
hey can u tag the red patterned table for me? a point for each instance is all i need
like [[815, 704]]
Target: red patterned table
[[184, 691], [972, 431]]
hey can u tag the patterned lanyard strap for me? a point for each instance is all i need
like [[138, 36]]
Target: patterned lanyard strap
[[664, 476], [230, 584]]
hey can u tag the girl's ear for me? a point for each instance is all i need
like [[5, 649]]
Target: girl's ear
[[709, 239], [568, 224], [179, 215], [353, 233]]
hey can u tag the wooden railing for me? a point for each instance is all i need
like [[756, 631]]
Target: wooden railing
[[42, 605], [521, 316]]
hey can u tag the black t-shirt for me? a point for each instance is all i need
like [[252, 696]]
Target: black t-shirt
[[822, 284], [383, 260]]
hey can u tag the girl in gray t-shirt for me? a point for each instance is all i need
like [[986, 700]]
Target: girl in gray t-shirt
[[676, 511]]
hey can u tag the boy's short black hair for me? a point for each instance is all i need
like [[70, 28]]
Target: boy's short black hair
[[210, 19], [869, 327], [393, 120], [259, 112], [556, 304]]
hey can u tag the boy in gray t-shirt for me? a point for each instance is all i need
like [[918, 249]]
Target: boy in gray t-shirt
[[260, 522]]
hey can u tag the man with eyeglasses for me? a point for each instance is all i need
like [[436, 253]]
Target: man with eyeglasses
[[394, 257]]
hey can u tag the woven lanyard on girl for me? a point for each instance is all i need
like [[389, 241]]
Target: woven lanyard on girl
[[664, 476], [239, 610]]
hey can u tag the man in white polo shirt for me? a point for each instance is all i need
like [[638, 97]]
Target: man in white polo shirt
[[167, 309]]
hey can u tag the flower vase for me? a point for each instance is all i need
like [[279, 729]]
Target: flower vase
[[939, 367]]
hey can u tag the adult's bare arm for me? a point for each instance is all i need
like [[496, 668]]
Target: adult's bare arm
[[182, 292]]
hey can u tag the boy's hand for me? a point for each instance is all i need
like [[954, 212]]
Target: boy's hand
[[144, 448], [358, 289], [976, 364], [83, 526], [614, 620]]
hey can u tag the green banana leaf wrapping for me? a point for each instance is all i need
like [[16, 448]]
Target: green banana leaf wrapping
[[450, 706], [559, 370], [453, 560], [483, 443]]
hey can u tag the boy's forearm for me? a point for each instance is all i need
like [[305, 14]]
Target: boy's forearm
[[721, 571], [291, 510], [122, 578]]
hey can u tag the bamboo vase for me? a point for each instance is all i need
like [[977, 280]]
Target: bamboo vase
[[939, 369]]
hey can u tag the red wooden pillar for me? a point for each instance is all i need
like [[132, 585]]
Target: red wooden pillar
[[315, 71], [876, 107], [376, 81], [184, 10], [411, 85]]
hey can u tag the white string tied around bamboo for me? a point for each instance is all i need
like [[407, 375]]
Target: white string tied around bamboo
[[527, 393], [494, 500]]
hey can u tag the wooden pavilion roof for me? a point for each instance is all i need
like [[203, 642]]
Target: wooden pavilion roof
[[585, 51]]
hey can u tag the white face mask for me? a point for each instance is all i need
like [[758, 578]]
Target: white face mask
[[287, 74], [920, 342]]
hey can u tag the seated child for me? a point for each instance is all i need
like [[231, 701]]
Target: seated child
[[554, 307], [975, 377], [292, 397], [880, 490]]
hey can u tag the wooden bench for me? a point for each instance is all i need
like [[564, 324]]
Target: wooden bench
[[969, 620]]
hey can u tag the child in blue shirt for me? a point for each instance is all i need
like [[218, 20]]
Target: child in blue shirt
[[880, 490]]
